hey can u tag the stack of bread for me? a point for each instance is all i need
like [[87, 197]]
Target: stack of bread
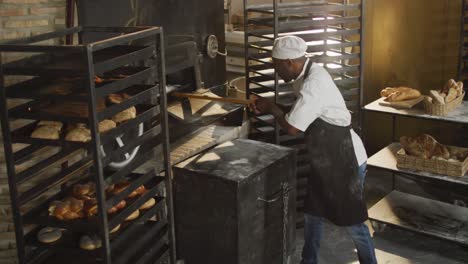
[[80, 132], [424, 146], [47, 130], [82, 203], [451, 91], [397, 94]]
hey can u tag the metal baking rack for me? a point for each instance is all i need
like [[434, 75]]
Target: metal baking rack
[[130, 61]]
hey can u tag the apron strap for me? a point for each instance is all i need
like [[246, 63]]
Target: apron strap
[[308, 67]]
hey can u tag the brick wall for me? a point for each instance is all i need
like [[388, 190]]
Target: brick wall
[[19, 19]]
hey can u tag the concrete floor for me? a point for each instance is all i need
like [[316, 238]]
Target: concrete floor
[[393, 245]]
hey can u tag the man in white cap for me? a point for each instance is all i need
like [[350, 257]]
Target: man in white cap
[[335, 152]]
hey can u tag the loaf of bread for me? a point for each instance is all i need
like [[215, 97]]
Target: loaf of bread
[[79, 134], [148, 204], [396, 94], [106, 125], [460, 89], [437, 98], [90, 242], [46, 132], [117, 207], [121, 186], [49, 235], [125, 115], [79, 191], [450, 84], [133, 216], [451, 95], [55, 124], [117, 98], [68, 209], [424, 146]]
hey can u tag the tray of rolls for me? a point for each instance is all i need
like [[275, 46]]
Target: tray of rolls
[[424, 153], [76, 211]]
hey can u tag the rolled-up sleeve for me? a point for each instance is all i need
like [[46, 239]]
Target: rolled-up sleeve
[[307, 107]]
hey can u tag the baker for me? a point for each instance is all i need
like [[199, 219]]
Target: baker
[[336, 154]]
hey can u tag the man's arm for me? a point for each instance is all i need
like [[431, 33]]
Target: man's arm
[[263, 105], [280, 118]]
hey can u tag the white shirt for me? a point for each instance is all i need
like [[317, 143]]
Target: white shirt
[[318, 97]]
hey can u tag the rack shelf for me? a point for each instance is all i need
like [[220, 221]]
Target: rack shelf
[[386, 159], [423, 215], [459, 115], [82, 76]]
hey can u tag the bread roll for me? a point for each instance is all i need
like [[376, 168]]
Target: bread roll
[[79, 135], [437, 99], [90, 242], [452, 95], [121, 186], [49, 234], [133, 216], [117, 207], [46, 132], [56, 124], [80, 190], [117, 98], [400, 94], [428, 99], [450, 84], [148, 204], [106, 125], [460, 89], [115, 229], [125, 115], [68, 209]]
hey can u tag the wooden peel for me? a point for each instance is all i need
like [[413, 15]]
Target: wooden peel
[[211, 98]]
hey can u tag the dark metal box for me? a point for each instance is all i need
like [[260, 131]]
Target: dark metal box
[[236, 203]]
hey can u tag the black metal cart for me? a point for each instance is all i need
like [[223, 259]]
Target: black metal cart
[[131, 61]]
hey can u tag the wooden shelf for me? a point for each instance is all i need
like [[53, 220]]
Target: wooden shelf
[[459, 115], [422, 215], [386, 159]]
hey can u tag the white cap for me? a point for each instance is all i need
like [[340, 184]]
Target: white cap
[[289, 47]]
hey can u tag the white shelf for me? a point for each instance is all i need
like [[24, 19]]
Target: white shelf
[[422, 215], [386, 159], [459, 115]]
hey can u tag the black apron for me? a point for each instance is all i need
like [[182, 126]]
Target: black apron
[[333, 187]]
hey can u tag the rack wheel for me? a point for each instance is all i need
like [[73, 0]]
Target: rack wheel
[[120, 141]]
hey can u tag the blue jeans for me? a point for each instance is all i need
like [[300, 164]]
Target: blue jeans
[[359, 234]]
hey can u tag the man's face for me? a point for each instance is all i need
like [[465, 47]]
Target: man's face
[[284, 69]]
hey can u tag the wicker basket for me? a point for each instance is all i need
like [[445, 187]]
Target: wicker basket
[[439, 166], [443, 110]]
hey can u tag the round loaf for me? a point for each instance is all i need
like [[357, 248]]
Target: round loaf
[[49, 234]]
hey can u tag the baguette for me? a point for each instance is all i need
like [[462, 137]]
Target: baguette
[[460, 89], [452, 95], [399, 94], [437, 98]]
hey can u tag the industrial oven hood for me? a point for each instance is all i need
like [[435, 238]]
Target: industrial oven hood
[[188, 19]]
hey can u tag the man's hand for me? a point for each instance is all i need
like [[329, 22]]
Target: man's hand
[[263, 106]]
